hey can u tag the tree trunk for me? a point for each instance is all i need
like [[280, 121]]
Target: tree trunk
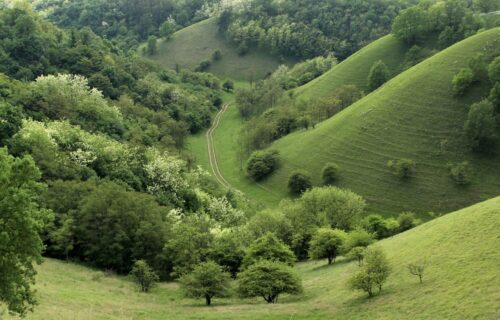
[[330, 260], [208, 299], [420, 276]]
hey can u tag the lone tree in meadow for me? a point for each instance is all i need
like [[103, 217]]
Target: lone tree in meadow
[[143, 276], [269, 279], [481, 126], [299, 182], [327, 243], [417, 269], [330, 173], [379, 74], [208, 280], [373, 274]]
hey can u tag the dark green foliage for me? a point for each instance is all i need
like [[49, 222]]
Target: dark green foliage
[[327, 243], [152, 45], [143, 275], [494, 70], [407, 220], [379, 74], [411, 25], [480, 126], [228, 251], [479, 68], [415, 55], [487, 5], [402, 168], [330, 173], [10, 121], [208, 280], [494, 97], [22, 221], [270, 248], [167, 29], [228, 85], [460, 173], [380, 227], [262, 163], [373, 274], [217, 55], [267, 221], [462, 81], [203, 66], [299, 182], [269, 279]]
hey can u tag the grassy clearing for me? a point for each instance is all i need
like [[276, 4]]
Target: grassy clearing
[[461, 282], [413, 116], [194, 44]]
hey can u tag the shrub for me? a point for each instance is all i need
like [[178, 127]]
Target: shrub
[[380, 227], [462, 81], [495, 97], [327, 243], [480, 126], [217, 55], [208, 280], [299, 182], [228, 85], [357, 238], [268, 279], [417, 269], [374, 273], [407, 220], [494, 70], [402, 168], [479, 68], [270, 248], [330, 173], [357, 253], [379, 74], [203, 66], [143, 275], [460, 173], [262, 163]]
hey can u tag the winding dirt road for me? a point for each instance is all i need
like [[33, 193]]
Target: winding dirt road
[[211, 148]]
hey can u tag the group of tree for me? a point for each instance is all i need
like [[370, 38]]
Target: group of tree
[[308, 29]]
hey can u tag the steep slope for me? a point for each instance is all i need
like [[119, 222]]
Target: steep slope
[[194, 44], [460, 282], [355, 69], [412, 116]]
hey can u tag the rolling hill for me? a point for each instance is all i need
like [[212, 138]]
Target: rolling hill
[[412, 116], [460, 282], [196, 43]]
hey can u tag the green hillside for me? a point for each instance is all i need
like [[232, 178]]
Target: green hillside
[[194, 44], [355, 69], [460, 283], [412, 116]]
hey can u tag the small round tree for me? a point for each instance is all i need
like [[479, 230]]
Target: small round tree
[[327, 243], [299, 182], [268, 247], [217, 55], [143, 275], [407, 220], [269, 279], [208, 280], [480, 127], [373, 274], [330, 173], [357, 253], [228, 85], [379, 74], [402, 168], [460, 173], [462, 81]]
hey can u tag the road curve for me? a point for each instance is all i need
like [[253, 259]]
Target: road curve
[[212, 156]]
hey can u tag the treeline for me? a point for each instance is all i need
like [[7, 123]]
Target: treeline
[[127, 22], [307, 29]]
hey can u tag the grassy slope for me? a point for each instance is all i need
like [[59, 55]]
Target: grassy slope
[[191, 45], [355, 69], [461, 282], [412, 116]]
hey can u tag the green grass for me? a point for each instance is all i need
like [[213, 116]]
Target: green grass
[[196, 43], [460, 282], [412, 116], [355, 69]]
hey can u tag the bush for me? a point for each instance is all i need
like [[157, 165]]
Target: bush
[[270, 248], [374, 273], [494, 70], [495, 97], [262, 163], [217, 55], [379, 74], [327, 243], [460, 173], [203, 66], [380, 227], [299, 182], [357, 238], [228, 85], [208, 280], [330, 173], [269, 280], [402, 168], [143, 275], [357, 253], [462, 81], [407, 220], [480, 126]]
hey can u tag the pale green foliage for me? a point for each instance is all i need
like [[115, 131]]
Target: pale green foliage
[[374, 273], [208, 280], [357, 238], [269, 279], [143, 275], [417, 269], [327, 243], [267, 221], [462, 81], [69, 96], [460, 173], [357, 253], [223, 212], [21, 223], [268, 247]]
